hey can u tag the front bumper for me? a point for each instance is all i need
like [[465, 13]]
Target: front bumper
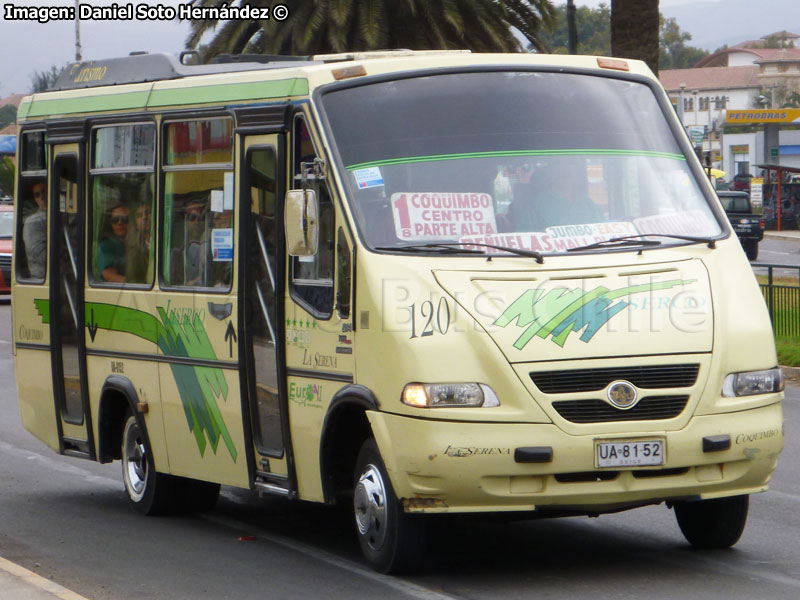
[[446, 466]]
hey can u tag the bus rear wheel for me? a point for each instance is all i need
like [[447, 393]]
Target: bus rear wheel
[[717, 523], [391, 540], [148, 492]]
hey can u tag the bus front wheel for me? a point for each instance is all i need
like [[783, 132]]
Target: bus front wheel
[[147, 490], [716, 523], [391, 540]]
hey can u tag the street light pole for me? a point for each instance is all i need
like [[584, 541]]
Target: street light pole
[[77, 31], [572, 29]]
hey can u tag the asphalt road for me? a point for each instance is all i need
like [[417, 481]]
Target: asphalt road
[[779, 252], [68, 520]]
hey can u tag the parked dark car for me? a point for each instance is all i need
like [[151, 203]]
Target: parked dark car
[[741, 183], [749, 227]]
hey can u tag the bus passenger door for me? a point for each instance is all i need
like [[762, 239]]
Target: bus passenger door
[[261, 189], [67, 204]]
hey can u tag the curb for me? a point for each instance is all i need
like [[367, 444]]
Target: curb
[[787, 236], [20, 580], [791, 372]]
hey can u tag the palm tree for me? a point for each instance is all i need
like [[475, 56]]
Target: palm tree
[[634, 30], [325, 26]]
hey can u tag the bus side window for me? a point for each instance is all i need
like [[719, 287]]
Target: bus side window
[[31, 239], [198, 204], [121, 187], [343, 275]]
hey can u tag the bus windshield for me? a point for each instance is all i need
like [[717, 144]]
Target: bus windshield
[[540, 161]]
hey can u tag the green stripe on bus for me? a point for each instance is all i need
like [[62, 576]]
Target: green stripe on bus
[[199, 387], [150, 98], [229, 92], [84, 104], [513, 153], [22, 111]]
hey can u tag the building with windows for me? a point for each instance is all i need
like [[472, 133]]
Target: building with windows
[[741, 77]]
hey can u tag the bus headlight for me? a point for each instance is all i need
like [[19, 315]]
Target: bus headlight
[[753, 382], [440, 395]]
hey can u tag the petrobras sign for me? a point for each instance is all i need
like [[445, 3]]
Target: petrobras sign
[[767, 115]]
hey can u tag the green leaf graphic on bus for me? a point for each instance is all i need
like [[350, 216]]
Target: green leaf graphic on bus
[[560, 311], [199, 387]]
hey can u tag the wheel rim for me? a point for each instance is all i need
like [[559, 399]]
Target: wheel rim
[[134, 461], [370, 507]]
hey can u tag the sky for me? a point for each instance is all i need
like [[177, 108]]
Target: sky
[[29, 46]]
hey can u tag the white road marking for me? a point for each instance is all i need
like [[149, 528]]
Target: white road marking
[[410, 589], [405, 587], [59, 466]]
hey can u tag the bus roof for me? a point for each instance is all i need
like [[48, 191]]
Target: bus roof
[[154, 82]]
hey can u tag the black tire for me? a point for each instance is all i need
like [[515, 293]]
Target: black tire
[[193, 495], [149, 492], [715, 523], [391, 540], [751, 249]]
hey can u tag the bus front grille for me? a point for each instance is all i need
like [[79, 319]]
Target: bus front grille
[[571, 381], [651, 408]]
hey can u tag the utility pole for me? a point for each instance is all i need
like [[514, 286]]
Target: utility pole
[[77, 31], [572, 29]]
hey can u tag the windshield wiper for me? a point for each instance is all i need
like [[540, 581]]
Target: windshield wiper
[[458, 247], [636, 240], [442, 248]]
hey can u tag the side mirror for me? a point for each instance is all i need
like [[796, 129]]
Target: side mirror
[[301, 222]]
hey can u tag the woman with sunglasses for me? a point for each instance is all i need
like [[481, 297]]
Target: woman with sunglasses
[[111, 252]]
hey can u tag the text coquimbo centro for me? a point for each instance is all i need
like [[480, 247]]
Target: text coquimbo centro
[[142, 12]]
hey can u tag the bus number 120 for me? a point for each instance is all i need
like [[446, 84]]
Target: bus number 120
[[440, 323]]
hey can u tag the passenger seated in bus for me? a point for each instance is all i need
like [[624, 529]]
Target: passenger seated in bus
[[189, 263], [139, 263], [111, 251], [34, 232]]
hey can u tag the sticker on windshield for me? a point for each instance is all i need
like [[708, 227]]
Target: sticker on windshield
[[690, 222], [442, 215], [558, 238], [368, 178]]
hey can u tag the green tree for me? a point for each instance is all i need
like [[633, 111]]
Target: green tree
[[792, 100], [44, 80], [325, 26], [8, 114], [594, 30], [673, 51], [6, 175], [634, 30], [594, 37]]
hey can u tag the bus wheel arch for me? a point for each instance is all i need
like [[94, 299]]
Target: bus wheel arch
[[344, 431], [117, 398], [123, 436]]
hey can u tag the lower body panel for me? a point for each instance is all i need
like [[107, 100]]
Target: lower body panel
[[445, 466]]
